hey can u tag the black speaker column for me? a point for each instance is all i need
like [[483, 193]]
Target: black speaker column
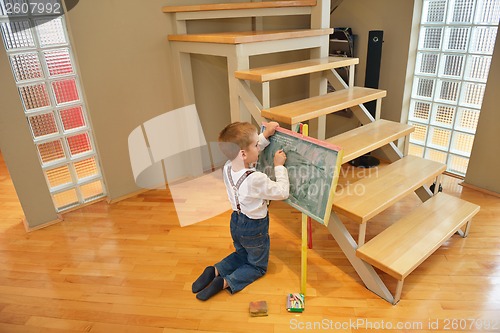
[[373, 60], [372, 75]]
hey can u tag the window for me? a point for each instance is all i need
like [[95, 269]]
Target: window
[[454, 52], [41, 59]]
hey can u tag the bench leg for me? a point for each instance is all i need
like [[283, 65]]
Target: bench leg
[[465, 233], [438, 182], [362, 234], [467, 227], [399, 289], [236, 62]]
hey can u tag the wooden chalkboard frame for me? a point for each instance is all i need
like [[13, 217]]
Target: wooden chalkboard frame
[[313, 170]]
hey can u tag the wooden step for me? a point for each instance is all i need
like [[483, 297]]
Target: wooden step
[[367, 138], [269, 73], [314, 107], [249, 36], [238, 6], [362, 200], [400, 248]]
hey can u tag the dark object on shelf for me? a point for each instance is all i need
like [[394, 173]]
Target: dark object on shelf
[[440, 189], [365, 161]]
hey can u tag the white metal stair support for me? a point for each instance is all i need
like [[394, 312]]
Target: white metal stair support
[[263, 76], [365, 271]]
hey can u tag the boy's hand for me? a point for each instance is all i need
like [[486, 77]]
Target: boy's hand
[[270, 129], [279, 157]]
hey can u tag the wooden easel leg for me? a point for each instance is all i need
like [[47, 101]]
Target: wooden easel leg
[[303, 269], [309, 233]]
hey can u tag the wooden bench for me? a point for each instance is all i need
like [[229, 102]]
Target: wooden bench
[[367, 138], [245, 37], [237, 6], [403, 246], [362, 200], [281, 71], [314, 107]]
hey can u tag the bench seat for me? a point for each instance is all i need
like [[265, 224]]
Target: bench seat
[[314, 107], [245, 37], [390, 184], [280, 71], [238, 6], [367, 138], [403, 246]]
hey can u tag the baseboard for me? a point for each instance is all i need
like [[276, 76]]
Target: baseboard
[[41, 226], [127, 196], [480, 189]]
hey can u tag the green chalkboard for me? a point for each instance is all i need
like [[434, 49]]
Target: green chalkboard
[[313, 170]]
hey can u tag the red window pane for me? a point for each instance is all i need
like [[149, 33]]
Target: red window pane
[[65, 91], [79, 144], [72, 118]]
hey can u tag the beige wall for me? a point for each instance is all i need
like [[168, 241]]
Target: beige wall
[[19, 152], [483, 170], [124, 62], [394, 17]]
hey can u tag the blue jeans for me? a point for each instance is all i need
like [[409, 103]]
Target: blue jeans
[[251, 256]]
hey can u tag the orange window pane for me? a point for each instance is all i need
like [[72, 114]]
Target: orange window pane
[[65, 199], [58, 176], [86, 168], [51, 151], [91, 190]]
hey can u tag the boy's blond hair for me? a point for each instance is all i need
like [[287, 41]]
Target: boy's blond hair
[[235, 137]]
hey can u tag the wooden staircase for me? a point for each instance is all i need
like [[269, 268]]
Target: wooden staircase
[[404, 174]]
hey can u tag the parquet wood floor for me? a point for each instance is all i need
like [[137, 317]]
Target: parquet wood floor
[[128, 267]]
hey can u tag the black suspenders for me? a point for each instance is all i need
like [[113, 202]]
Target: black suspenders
[[238, 183]]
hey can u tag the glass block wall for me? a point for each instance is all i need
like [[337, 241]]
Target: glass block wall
[[41, 59], [453, 59]]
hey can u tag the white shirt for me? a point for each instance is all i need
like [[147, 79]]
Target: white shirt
[[257, 188]]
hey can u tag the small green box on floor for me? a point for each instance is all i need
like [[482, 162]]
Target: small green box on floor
[[295, 302]]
